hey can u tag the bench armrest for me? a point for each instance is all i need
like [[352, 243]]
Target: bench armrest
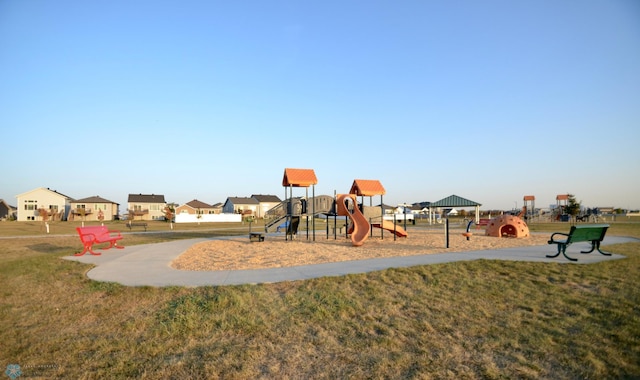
[[552, 240]]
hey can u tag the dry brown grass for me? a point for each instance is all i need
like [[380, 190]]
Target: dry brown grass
[[480, 319]]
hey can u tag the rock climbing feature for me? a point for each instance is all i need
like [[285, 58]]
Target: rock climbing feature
[[508, 226]]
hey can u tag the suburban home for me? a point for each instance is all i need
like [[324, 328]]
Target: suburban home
[[196, 207], [56, 204], [94, 209], [217, 207], [6, 210], [146, 207], [241, 205], [265, 203]]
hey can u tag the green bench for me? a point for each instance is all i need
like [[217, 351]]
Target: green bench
[[593, 233]]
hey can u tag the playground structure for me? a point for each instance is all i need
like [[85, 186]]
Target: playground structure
[[559, 213], [289, 213], [529, 207], [507, 226]]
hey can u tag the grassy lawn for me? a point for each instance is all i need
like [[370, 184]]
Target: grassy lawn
[[482, 319]]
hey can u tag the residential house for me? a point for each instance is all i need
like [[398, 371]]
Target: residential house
[[94, 209], [146, 206], [56, 204], [6, 210], [265, 203], [217, 207], [196, 207], [241, 205]]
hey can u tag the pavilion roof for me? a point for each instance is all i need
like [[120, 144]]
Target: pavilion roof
[[454, 201]]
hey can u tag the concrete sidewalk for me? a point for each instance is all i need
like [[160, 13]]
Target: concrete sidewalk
[[148, 265]]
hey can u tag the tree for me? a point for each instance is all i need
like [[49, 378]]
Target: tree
[[573, 207], [44, 214], [169, 211]]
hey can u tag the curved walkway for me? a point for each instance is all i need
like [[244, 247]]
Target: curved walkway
[[149, 264]]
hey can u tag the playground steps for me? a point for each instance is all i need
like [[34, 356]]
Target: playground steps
[[273, 224]]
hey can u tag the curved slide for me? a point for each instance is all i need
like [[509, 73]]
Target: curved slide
[[360, 230], [388, 225]]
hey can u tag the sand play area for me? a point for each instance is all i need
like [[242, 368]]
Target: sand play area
[[239, 253]]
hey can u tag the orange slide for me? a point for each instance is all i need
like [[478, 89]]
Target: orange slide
[[360, 231], [388, 225]]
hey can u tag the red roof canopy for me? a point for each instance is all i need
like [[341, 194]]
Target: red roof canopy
[[367, 187], [299, 178]]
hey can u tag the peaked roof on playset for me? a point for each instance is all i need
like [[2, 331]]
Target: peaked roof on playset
[[367, 187], [299, 178], [454, 201]]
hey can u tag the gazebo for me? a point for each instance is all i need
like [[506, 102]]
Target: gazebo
[[455, 201]]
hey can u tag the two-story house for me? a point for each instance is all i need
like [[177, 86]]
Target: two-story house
[[94, 209], [241, 205], [265, 203], [56, 205], [146, 207]]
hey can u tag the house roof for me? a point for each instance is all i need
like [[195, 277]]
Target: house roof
[[266, 198], [454, 201], [146, 198], [7, 205], [299, 178], [242, 201], [94, 199], [198, 204], [45, 189], [367, 187]]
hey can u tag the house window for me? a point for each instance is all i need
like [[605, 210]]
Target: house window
[[30, 205]]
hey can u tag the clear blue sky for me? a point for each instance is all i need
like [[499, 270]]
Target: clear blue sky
[[488, 100]]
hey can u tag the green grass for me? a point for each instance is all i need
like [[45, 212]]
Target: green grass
[[482, 319]]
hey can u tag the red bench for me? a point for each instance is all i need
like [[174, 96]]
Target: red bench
[[95, 235], [482, 222]]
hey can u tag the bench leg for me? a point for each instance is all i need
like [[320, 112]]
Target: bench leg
[[87, 248], [562, 248], [114, 243], [596, 245], [556, 255]]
